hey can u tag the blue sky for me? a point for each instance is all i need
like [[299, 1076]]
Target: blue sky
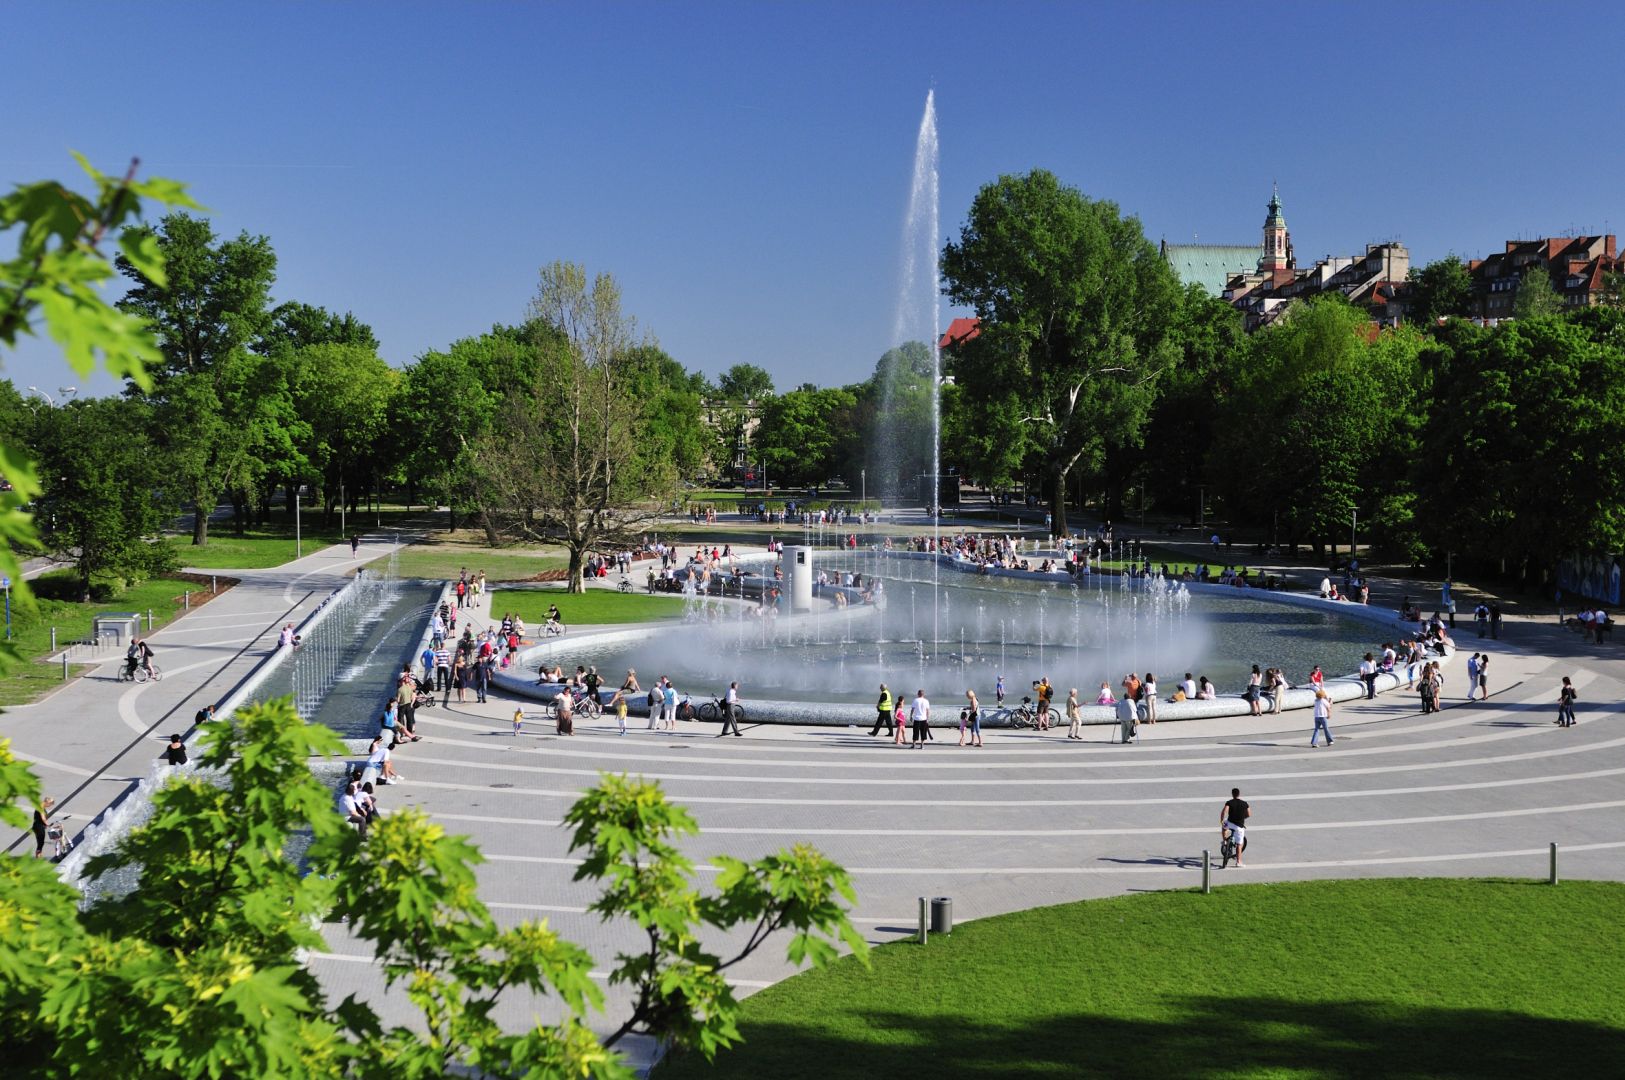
[[743, 169]]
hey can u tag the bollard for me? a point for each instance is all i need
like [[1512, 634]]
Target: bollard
[[923, 921], [149, 620], [1551, 878], [214, 585], [186, 600], [64, 667], [1207, 872], [53, 639]]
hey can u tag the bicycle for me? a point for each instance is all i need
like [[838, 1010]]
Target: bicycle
[[147, 671], [1227, 848], [57, 834], [625, 585], [712, 711], [554, 629], [1025, 715], [586, 703]]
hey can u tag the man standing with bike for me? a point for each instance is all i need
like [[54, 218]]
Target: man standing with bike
[[730, 711], [1233, 822]]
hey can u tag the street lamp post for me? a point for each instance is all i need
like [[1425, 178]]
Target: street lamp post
[[298, 548], [863, 489], [1354, 524]]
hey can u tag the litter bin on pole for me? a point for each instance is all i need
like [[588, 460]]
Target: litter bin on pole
[[942, 915]]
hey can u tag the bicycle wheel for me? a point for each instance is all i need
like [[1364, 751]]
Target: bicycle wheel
[[708, 712], [1054, 718], [595, 708], [739, 714], [140, 675], [157, 673]]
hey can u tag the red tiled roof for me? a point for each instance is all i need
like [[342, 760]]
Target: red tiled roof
[[960, 330]]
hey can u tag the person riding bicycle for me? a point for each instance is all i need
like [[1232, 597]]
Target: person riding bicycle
[[1233, 821], [555, 621], [138, 655]]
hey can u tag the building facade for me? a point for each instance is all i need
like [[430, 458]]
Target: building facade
[[1577, 266]]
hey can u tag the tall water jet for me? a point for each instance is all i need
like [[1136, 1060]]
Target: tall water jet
[[915, 357]]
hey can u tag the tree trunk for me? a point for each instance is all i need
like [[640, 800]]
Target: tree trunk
[[200, 522], [451, 517], [577, 583], [239, 511], [1057, 502], [492, 539]]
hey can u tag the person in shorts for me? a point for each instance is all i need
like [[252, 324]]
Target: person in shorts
[[1233, 820]]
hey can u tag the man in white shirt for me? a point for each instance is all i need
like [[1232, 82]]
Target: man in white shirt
[[730, 711], [350, 807], [919, 715]]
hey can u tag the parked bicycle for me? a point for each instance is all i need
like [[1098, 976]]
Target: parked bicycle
[[1025, 715]]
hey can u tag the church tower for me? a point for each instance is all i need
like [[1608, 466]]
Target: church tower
[[1277, 257]]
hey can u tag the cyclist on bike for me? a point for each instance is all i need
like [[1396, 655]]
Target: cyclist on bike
[[1233, 821], [139, 655]]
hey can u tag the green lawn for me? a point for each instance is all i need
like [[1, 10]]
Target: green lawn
[[588, 609], [32, 630], [1379, 978], [444, 560]]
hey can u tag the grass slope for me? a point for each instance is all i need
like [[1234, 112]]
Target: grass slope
[[588, 609], [1391, 978], [32, 629]]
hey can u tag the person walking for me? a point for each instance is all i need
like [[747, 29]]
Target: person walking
[[42, 817], [901, 723], [1472, 675], [1128, 718], [1074, 716], [974, 716], [1149, 692], [1428, 690], [1565, 704], [618, 703], [1495, 621], [355, 545], [175, 752], [1368, 674], [919, 714], [883, 710], [1323, 715], [730, 710]]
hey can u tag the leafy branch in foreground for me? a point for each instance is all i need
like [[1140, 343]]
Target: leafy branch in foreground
[[198, 971]]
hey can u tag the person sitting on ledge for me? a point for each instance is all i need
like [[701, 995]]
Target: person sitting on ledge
[[1205, 691], [1105, 695]]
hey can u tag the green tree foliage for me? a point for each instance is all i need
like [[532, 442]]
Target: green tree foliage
[[197, 973], [745, 383], [566, 459], [52, 277], [1524, 446], [1439, 290], [294, 325], [1535, 295], [341, 394], [105, 499], [900, 430], [1187, 415], [1317, 422], [449, 400], [799, 438], [218, 403], [1076, 310], [215, 296]]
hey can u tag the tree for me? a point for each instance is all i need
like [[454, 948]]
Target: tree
[[799, 436], [1535, 295], [213, 398], [1076, 309], [53, 277], [448, 401], [104, 505], [197, 972], [565, 461], [215, 297], [341, 394], [1439, 290], [295, 325], [1315, 419], [745, 383]]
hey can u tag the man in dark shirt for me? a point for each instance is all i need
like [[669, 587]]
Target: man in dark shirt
[[1233, 820]]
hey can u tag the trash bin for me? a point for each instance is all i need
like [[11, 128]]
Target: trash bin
[[942, 915]]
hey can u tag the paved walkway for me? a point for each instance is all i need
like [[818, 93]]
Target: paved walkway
[[94, 739], [1031, 819]]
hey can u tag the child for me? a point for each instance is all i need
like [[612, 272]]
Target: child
[[619, 704], [518, 718]]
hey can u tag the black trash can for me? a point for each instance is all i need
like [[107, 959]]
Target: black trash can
[[942, 915]]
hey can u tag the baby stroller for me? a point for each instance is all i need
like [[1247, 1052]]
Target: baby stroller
[[422, 693], [58, 836]]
